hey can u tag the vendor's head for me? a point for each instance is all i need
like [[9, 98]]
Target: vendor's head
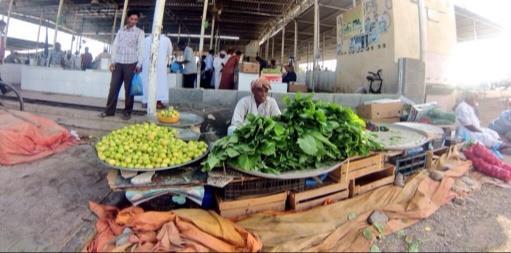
[[471, 98], [260, 89], [133, 17]]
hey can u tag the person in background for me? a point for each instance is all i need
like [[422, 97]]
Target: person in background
[[100, 57], [13, 58], [290, 76], [162, 86], [56, 57], [262, 63], [229, 70], [502, 124], [86, 59], [77, 61], [273, 64], [175, 67], [189, 65], [258, 104], [127, 58], [68, 61], [208, 70], [469, 126], [218, 65]]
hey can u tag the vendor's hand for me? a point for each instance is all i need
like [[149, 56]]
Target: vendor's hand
[[138, 69], [112, 67]]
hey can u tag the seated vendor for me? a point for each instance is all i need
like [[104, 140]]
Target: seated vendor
[[469, 125], [257, 104], [502, 124]]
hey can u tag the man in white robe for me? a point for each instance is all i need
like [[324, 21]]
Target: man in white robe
[[162, 87], [218, 65]]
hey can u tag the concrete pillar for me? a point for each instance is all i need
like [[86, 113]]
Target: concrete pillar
[[423, 26], [316, 55], [211, 39], [57, 22], [155, 45], [9, 11], [124, 12], [283, 46], [201, 42], [295, 53], [112, 36]]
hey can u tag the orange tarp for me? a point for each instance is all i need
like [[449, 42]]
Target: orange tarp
[[327, 228], [183, 230], [25, 137]]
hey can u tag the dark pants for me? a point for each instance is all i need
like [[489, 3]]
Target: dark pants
[[206, 80], [189, 80], [122, 73]]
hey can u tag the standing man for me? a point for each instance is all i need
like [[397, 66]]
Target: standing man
[[86, 59], [218, 65], [127, 57], [56, 58], [208, 71], [162, 87], [189, 65]]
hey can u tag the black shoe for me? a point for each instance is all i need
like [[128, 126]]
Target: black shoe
[[126, 116], [104, 115]]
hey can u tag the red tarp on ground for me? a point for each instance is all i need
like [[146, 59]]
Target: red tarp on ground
[[25, 137]]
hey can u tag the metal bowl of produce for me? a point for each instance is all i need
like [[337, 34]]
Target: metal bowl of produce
[[399, 137], [307, 173], [187, 119]]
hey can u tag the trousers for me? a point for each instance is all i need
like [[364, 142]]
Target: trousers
[[123, 73]]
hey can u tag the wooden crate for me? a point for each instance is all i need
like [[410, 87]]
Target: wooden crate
[[315, 197], [372, 181], [250, 205], [358, 167]]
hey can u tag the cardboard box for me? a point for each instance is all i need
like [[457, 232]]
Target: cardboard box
[[298, 88], [381, 111], [249, 67]]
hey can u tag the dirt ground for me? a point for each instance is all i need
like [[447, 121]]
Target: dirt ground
[[44, 206]]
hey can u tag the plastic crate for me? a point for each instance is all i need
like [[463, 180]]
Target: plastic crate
[[260, 186], [409, 164]]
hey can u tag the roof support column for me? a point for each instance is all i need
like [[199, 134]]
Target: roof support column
[[267, 53], [39, 31], [155, 46], [272, 48], [423, 26], [124, 12], [354, 3], [283, 47], [201, 42], [179, 33], [316, 55], [474, 24], [74, 33], [112, 36], [7, 26], [57, 22], [295, 53], [211, 39]]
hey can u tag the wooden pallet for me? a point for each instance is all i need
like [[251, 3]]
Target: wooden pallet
[[358, 167], [250, 205], [372, 181], [311, 198]]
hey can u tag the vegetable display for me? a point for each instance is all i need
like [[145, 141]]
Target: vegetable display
[[307, 135], [486, 162], [169, 115], [147, 146]]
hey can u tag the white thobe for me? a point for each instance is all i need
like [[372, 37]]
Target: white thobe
[[164, 54], [466, 116], [217, 65], [247, 105]]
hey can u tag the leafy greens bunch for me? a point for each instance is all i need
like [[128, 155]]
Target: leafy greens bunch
[[307, 135]]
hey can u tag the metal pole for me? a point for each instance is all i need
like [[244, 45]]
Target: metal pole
[[57, 22], [74, 25], [295, 54], [7, 25], [324, 50], [282, 46], [179, 33], [212, 33], [112, 36], [267, 53], [124, 12], [155, 46], [201, 42], [39, 31], [272, 48], [354, 3], [474, 24], [423, 26], [316, 45]]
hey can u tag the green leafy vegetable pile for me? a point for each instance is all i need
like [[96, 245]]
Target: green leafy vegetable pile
[[307, 135]]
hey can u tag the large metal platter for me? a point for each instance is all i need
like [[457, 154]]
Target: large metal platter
[[401, 137], [328, 167], [186, 119], [433, 132], [187, 134]]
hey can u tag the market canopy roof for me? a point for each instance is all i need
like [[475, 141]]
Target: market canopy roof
[[470, 26], [19, 44]]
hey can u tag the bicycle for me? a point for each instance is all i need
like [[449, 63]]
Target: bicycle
[[7, 88]]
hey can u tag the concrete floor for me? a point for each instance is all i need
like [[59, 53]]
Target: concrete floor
[[44, 203]]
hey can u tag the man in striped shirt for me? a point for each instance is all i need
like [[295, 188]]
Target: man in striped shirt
[[127, 57]]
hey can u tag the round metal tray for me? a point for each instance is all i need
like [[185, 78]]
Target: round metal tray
[[187, 119], [328, 167], [408, 137]]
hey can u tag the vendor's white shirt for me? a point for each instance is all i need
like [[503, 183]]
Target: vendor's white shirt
[[466, 116], [247, 105]]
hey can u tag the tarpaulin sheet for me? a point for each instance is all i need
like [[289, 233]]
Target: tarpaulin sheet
[[327, 228], [185, 230], [25, 137]]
